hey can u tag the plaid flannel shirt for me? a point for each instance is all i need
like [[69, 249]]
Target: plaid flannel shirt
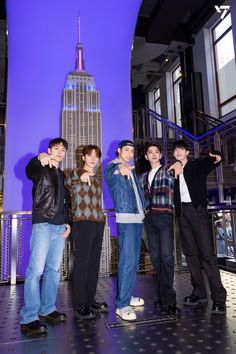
[[159, 196]]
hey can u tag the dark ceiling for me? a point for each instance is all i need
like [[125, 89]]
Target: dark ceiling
[[162, 21], [2, 10], [164, 29]]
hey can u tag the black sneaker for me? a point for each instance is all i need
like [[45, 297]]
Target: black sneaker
[[171, 309], [194, 300], [34, 327], [54, 317], [158, 304], [99, 307], [174, 309], [84, 313], [218, 308]]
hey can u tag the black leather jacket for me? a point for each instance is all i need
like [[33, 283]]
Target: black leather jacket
[[45, 190]]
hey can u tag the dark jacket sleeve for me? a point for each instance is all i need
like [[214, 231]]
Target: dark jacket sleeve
[[34, 169], [208, 163], [68, 212]]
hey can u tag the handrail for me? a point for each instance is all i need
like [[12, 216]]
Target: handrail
[[216, 120], [146, 128], [169, 123], [29, 212], [185, 132]]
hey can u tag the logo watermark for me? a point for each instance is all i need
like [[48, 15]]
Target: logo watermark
[[223, 9]]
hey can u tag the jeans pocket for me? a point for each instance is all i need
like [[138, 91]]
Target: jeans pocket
[[62, 229]]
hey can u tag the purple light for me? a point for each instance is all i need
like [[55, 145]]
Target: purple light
[[42, 50]]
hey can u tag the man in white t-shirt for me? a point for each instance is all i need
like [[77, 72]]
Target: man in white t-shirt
[[190, 196], [158, 186]]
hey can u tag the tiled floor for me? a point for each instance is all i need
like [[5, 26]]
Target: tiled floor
[[195, 332]]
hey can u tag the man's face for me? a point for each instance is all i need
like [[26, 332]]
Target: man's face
[[126, 153], [181, 154], [57, 152], [153, 155], [91, 160]]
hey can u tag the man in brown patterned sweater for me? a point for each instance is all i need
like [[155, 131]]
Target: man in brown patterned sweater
[[87, 233]]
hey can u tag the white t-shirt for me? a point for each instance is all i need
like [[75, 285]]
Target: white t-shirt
[[152, 174], [184, 193]]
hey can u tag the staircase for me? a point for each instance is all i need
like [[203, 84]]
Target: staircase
[[150, 126]]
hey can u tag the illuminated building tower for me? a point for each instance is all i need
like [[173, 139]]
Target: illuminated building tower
[[81, 125], [81, 115]]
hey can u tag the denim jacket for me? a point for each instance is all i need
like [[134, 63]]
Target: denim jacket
[[121, 189]]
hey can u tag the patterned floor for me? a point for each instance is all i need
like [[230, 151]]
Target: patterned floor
[[195, 332]]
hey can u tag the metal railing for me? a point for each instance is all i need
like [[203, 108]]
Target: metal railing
[[224, 228], [15, 236], [16, 232]]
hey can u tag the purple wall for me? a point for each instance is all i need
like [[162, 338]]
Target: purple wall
[[42, 40]]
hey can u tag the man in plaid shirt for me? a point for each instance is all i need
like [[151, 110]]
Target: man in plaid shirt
[[158, 187]]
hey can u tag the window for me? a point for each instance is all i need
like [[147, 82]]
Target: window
[[176, 79], [225, 65], [157, 100]]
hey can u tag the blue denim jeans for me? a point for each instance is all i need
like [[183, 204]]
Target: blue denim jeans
[[160, 236], [129, 239], [46, 249]]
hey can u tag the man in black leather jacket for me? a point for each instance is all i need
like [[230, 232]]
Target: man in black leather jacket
[[50, 218]]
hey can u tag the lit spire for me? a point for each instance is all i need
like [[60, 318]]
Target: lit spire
[[80, 50], [79, 26]]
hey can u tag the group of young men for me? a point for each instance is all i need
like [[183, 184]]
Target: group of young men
[[152, 199]]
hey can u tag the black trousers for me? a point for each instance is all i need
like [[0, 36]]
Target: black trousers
[[160, 236], [87, 236], [197, 244]]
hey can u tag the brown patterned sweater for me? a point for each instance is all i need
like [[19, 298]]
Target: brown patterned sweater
[[86, 200]]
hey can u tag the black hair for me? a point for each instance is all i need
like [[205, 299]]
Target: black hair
[[182, 144], [148, 145], [117, 153], [58, 141]]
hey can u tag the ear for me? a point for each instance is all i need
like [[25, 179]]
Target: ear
[[160, 155], [49, 151], [83, 158], [146, 157], [187, 152], [119, 150]]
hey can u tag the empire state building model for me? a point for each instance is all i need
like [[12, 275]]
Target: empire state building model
[[81, 115]]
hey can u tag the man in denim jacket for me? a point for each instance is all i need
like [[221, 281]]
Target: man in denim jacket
[[128, 200]]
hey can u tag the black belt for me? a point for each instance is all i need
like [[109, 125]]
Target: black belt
[[187, 204]]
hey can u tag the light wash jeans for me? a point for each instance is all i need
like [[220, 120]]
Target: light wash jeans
[[129, 239], [46, 249]]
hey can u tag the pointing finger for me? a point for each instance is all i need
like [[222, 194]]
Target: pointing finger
[[88, 180]]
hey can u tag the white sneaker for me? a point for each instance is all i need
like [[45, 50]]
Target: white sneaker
[[126, 313], [136, 301]]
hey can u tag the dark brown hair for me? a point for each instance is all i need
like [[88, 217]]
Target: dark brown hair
[[88, 149]]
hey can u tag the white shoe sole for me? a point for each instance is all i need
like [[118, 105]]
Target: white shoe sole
[[137, 304], [124, 318]]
